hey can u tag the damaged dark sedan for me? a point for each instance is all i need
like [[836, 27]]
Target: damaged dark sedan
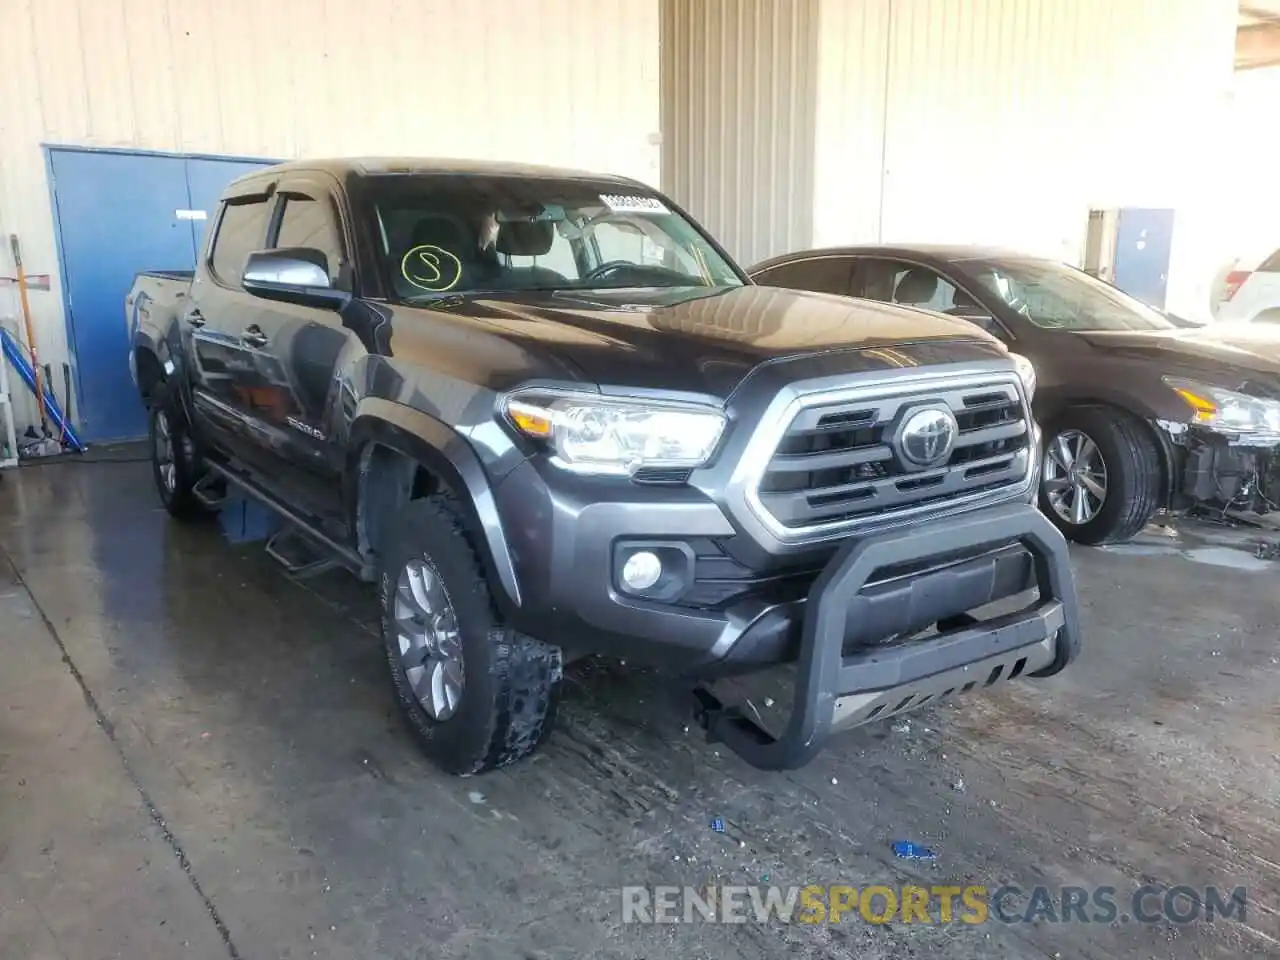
[[1139, 413]]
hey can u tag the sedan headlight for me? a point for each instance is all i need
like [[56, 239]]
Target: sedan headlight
[[597, 435], [1026, 373], [1227, 411]]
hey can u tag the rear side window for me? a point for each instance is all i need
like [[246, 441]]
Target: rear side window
[[242, 229], [916, 286], [311, 223], [824, 275], [1271, 264], [905, 283]]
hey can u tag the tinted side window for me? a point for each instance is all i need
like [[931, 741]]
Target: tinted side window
[[905, 283], [1271, 264], [242, 229], [894, 282], [876, 279], [825, 275], [311, 223]]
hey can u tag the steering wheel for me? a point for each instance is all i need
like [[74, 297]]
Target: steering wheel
[[606, 268]]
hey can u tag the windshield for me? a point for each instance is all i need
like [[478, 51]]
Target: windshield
[[442, 234], [1057, 297]]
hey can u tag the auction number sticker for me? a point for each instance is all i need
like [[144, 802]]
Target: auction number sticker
[[621, 203]]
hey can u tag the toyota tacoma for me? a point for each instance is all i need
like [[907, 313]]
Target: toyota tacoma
[[550, 417]]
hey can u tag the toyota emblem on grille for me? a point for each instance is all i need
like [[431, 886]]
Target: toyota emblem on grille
[[927, 436]]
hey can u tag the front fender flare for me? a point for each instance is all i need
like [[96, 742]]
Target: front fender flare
[[446, 453]]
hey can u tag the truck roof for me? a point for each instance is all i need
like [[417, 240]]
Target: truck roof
[[344, 167]]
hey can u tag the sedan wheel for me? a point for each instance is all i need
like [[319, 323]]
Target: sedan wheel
[[1075, 477]]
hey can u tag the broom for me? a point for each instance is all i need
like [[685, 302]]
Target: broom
[[31, 333]]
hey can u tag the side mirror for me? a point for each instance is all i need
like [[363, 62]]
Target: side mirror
[[980, 317], [293, 275]]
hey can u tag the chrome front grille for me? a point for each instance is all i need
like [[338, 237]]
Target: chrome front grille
[[840, 462]]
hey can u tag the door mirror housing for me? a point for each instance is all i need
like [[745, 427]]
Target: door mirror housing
[[293, 275], [982, 318]]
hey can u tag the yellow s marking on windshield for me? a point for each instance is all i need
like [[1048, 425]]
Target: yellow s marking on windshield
[[431, 268]]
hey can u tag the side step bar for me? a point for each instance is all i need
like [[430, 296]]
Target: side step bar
[[207, 492], [338, 554], [297, 555]]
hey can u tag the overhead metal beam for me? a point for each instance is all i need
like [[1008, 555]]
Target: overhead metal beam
[[1259, 13], [1258, 46]]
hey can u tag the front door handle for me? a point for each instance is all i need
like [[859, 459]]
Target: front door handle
[[254, 336], [195, 318]]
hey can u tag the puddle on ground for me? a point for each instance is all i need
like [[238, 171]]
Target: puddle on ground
[[1238, 547], [1228, 557]]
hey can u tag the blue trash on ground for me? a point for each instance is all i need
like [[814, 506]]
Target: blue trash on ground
[[717, 824], [912, 851], [246, 521]]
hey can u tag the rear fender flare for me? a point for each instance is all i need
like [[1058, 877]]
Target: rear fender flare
[[447, 454], [165, 344]]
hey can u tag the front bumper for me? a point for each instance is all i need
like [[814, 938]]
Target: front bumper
[[849, 626], [1220, 472], [843, 679]]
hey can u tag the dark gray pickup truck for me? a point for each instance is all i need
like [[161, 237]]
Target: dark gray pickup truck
[[549, 415]]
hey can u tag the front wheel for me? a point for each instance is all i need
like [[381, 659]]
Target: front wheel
[[478, 694], [1100, 480]]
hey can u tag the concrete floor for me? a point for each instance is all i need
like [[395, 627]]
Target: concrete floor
[[199, 757]]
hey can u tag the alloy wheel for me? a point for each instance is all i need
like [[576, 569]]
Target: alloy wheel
[[163, 449], [1075, 477], [430, 647]]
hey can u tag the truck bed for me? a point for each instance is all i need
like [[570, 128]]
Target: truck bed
[[155, 298], [153, 292]]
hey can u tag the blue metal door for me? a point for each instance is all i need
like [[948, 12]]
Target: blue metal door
[[119, 213], [116, 216], [1144, 241]]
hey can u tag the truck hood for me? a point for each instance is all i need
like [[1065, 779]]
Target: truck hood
[[1224, 352], [701, 341]]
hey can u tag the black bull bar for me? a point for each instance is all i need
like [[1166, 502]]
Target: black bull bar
[[835, 691]]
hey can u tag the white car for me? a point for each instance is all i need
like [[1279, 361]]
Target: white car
[[1252, 296]]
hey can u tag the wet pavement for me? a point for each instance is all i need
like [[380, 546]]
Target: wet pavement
[[200, 757]]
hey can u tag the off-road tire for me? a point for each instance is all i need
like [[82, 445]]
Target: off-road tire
[[511, 681], [179, 501], [1133, 474]]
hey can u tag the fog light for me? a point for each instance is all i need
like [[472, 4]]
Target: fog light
[[642, 570]]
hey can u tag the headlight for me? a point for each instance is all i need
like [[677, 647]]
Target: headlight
[[602, 436], [1226, 410], [1026, 373]]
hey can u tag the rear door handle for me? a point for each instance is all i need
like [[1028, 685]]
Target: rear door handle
[[195, 318], [254, 336]]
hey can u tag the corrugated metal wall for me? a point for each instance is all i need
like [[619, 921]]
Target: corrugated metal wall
[[853, 65], [1251, 215], [785, 122], [571, 82], [738, 109], [1003, 121]]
